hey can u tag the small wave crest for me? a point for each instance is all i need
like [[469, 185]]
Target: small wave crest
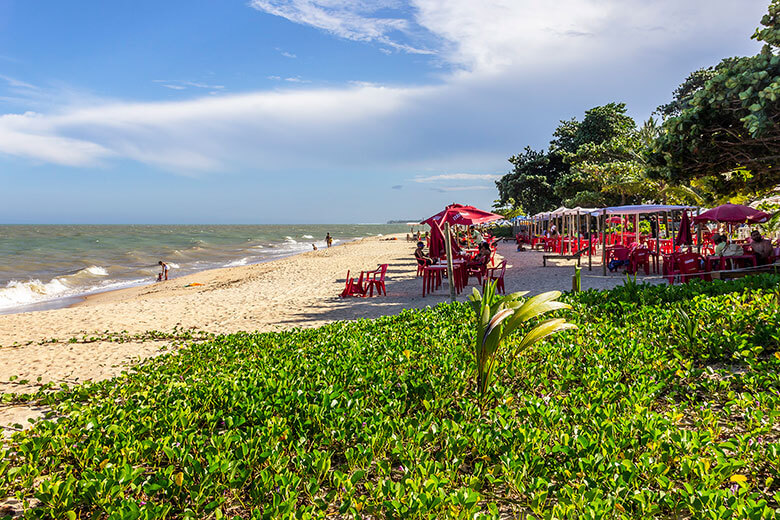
[[306, 236], [290, 240], [236, 263], [17, 293], [95, 270]]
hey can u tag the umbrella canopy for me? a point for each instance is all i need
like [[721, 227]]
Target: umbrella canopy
[[684, 236], [458, 214], [615, 220], [733, 213], [455, 214]]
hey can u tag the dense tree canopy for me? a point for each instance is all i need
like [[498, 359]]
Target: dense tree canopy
[[589, 163], [726, 122], [530, 184]]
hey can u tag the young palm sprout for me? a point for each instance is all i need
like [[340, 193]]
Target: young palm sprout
[[496, 320]]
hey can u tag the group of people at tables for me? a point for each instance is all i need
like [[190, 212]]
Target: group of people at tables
[[760, 247], [465, 266], [479, 260], [757, 250]]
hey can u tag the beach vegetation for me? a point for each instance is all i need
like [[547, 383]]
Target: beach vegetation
[[499, 317], [639, 412]]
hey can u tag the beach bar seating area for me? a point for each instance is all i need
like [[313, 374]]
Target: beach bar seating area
[[656, 240], [457, 251]]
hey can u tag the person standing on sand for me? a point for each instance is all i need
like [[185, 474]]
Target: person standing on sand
[[328, 239], [163, 271]]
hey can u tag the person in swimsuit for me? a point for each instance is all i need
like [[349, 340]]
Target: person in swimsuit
[[163, 271]]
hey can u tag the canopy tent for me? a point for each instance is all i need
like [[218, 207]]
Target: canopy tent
[[641, 209], [733, 213], [645, 209]]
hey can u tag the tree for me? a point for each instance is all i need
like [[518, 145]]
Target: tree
[[682, 94], [605, 167], [729, 127], [530, 184]]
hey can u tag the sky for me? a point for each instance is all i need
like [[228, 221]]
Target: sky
[[318, 111]]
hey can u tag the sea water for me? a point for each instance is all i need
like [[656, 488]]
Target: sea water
[[50, 266]]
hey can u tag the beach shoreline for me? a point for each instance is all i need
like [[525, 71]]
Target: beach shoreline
[[45, 267]]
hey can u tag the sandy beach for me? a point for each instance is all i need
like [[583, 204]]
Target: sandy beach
[[298, 291]]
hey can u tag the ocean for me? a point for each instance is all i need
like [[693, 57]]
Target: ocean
[[52, 266]]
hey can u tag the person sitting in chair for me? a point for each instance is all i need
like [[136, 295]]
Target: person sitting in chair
[[762, 248], [420, 255], [482, 258]]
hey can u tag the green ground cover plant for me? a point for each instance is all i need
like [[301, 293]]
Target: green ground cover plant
[[663, 403]]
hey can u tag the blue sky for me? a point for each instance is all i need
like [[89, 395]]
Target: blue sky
[[304, 111]]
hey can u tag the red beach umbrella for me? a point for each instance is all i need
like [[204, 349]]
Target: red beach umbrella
[[458, 214], [455, 214], [734, 213], [684, 236]]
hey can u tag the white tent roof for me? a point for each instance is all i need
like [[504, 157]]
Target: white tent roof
[[641, 208], [614, 210]]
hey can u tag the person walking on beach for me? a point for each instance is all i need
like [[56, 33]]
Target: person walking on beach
[[163, 271], [328, 239]]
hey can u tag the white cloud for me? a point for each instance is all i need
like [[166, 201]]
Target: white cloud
[[296, 79], [350, 19], [458, 177], [211, 133], [26, 136], [489, 37], [286, 54], [183, 84], [18, 84]]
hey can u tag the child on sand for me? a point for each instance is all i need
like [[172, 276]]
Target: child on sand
[[163, 272]]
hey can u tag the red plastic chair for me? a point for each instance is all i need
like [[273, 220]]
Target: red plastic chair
[[689, 265], [640, 257], [478, 271], [497, 274], [354, 287], [377, 279], [619, 253], [420, 267]]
